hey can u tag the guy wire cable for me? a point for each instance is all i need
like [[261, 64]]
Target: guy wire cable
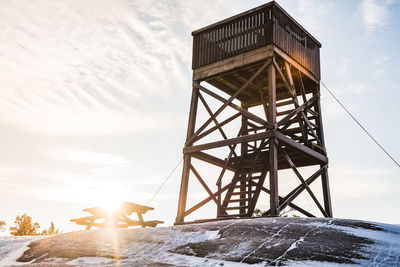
[[359, 124]]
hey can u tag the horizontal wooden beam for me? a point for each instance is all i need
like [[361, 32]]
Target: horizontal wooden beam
[[314, 154], [232, 63], [245, 59], [227, 142]]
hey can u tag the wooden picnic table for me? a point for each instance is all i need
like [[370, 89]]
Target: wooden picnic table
[[119, 218]]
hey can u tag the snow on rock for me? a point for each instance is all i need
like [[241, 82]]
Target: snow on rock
[[255, 242], [12, 247]]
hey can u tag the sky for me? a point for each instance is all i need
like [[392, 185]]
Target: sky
[[94, 101]]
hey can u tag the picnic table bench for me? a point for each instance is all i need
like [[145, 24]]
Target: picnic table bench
[[118, 218]]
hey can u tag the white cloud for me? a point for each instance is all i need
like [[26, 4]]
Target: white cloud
[[350, 88], [331, 110], [342, 66], [72, 67], [380, 67], [375, 13], [77, 67], [310, 13]]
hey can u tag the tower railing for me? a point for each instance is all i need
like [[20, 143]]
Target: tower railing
[[265, 25]]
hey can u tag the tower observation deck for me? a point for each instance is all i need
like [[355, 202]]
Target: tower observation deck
[[261, 59]]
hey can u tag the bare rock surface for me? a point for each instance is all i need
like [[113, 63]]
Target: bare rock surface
[[258, 241]]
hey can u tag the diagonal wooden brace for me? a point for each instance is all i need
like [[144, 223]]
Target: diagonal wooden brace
[[297, 191], [244, 86], [289, 160]]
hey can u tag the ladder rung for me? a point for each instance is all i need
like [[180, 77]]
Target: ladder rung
[[240, 185], [240, 193], [283, 112], [246, 186], [284, 103], [315, 114], [313, 124], [238, 200], [237, 207], [252, 177], [317, 146], [234, 215]]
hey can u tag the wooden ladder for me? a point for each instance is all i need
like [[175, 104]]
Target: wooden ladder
[[243, 193]]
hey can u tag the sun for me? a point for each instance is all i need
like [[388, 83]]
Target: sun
[[109, 197], [111, 205]]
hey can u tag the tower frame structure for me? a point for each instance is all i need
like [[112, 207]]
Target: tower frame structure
[[261, 57]]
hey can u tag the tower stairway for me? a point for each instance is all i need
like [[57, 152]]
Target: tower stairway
[[243, 193]]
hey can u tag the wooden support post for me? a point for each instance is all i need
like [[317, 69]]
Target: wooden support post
[[273, 150], [262, 97], [324, 176], [187, 157], [140, 217], [243, 150], [326, 192]]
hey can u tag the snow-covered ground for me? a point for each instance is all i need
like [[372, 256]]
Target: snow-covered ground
[[12, 247], [255, 242]]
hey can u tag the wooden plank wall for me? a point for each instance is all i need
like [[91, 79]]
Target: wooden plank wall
[[295, 42], [231, 38]]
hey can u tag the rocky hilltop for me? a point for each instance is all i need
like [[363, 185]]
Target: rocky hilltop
[[256, 242]]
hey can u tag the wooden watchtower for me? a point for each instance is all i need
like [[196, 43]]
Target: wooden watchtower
[[264, 70]]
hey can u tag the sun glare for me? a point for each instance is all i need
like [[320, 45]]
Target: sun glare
[[111, 205], [109, 197]]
